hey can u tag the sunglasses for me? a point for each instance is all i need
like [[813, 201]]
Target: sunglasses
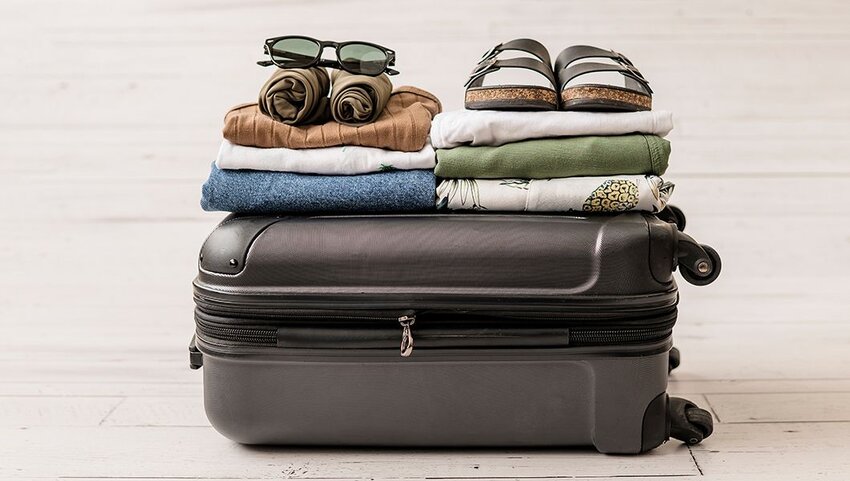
[[362, 58]]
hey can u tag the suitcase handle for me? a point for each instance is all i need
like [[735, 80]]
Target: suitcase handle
[[673, 215]]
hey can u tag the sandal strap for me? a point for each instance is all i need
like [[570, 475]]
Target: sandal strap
[[527, 45], [476, 78], [634, 79], [578, 52]]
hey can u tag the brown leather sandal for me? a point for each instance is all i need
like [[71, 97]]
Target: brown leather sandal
[[512, 97], [635, 96]]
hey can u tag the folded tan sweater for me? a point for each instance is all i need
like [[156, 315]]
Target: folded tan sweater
[[403, 125]]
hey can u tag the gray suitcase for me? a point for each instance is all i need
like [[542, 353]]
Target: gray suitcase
[[445, 330]]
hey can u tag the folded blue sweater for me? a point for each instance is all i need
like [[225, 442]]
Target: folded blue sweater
[[258, 191]]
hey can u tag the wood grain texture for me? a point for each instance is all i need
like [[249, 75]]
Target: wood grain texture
[[110, 114], [782, 407]]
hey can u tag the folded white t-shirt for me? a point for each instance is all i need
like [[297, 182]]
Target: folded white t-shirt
[[346, 160], [494, 127]]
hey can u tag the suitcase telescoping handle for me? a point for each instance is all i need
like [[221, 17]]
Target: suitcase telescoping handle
[[698, 263]]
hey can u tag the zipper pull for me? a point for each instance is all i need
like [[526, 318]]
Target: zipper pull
[[406, 321]]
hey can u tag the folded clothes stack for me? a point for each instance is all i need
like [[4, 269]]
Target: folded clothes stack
[[314, 142], [603, 152]]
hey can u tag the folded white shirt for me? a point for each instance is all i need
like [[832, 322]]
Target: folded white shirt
[[618, 193], [493, 127], [345, 160]]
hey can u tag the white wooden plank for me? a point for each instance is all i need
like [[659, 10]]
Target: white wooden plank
[[716, 351], [369, 478], [186, 387], [32, 411], [759, 386], [782, 407], [391, 477], [202, 453], [775, 451], [104, 367], [184, 411], [128, 264]]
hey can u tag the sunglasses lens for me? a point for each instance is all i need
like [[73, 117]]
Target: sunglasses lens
[[362, 58], [294, 52]]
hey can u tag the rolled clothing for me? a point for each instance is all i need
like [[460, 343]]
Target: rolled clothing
[[494, 127], [558, 157], [403, 125], [253, 191], [358, 99], [296, 96], [619, 193], [345, 160]]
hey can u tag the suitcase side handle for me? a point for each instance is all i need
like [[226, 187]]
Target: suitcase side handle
[[196, 358]]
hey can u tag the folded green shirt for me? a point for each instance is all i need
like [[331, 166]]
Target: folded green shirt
[[557, 157]]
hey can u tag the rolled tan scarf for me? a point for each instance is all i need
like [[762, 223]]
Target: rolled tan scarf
[[358, 99], [296, 96]]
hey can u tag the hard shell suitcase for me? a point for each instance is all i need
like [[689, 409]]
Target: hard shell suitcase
[[445, 330]]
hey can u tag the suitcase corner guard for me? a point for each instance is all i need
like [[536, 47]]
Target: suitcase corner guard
[[226, 248]]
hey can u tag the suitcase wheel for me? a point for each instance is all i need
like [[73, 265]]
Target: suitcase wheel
[[711, 271], [689, 423]]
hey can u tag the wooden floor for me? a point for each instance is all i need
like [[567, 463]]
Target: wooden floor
[[110, 113]]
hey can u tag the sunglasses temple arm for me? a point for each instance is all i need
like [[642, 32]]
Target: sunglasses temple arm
[[391, 71], [265, 63]]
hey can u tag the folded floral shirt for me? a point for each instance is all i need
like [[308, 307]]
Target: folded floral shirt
[[620, 193]]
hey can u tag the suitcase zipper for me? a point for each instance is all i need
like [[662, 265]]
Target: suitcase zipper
[[406, 321], [228, 304], [268, 337], [456, 335]]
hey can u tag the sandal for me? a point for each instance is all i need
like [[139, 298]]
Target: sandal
[[635, 96], [512, 97]]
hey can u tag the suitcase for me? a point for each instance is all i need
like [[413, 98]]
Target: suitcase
[[445, 330]]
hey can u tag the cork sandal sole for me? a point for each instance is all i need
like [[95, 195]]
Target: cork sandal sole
[[604, 98], [511, 97]]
